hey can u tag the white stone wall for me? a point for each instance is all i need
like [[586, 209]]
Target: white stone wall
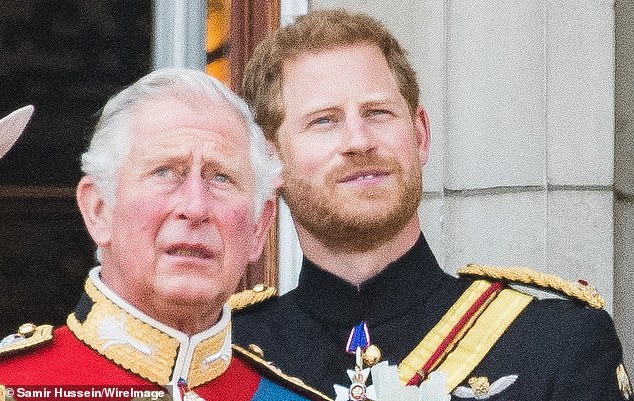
[[521, 102]]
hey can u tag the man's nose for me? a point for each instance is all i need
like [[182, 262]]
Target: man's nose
[[193, 201], [357, 137]]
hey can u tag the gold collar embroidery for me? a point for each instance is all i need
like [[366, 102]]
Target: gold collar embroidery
[[131, 341]]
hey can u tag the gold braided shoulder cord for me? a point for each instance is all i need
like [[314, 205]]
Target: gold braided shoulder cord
[[258, 360], [253, 296], [28, 335], [522, 275]]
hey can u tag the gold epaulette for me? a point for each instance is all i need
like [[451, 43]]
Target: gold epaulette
[[28, 336], [270, 371], [580, 290], [246, 298]]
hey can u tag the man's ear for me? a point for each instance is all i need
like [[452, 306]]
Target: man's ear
[[421, 122], [267, 216], [97, 216]]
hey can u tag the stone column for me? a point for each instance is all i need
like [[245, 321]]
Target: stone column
[[624, 178]]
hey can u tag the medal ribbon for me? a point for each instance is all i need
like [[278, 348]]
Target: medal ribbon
[[359, 338]]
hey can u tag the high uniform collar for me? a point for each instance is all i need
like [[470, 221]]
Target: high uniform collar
[[403, 284], [145, 346]]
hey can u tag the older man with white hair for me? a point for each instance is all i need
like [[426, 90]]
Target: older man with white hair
[[178, 195]]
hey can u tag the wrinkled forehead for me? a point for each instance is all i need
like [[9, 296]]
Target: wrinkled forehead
[[203, 126], [217, 117]]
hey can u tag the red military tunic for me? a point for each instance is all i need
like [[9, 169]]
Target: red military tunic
[[107, 342]]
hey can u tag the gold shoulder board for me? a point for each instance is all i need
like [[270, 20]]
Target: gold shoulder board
[[28, 336], [255, 358], [246, 298], [580, 290]]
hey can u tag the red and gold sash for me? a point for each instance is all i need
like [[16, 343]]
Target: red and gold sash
[[465, 334]]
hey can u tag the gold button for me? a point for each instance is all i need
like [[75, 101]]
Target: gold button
[[27, 329], [371, 355], [256, 350], [259, 288]]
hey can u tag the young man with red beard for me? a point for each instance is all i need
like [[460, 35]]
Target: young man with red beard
[[336, 95]]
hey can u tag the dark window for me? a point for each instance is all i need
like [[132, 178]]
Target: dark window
[[66, 57]]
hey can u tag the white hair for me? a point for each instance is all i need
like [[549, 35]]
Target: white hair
[[112, 139]]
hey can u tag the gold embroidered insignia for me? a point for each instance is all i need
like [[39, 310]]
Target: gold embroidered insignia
[[480, 386], [144, 349], [480, 389], [246, 298], [28, 336], [579, 290], [625, 385]]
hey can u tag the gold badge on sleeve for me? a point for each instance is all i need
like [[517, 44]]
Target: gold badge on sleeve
[[625, 385]]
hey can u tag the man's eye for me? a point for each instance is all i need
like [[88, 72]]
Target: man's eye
[[163, 172], [321, 121], [220, 177]]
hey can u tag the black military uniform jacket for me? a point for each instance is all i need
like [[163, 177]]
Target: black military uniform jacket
[[559, 349]]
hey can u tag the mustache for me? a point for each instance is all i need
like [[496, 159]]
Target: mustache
[[361, 165]]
